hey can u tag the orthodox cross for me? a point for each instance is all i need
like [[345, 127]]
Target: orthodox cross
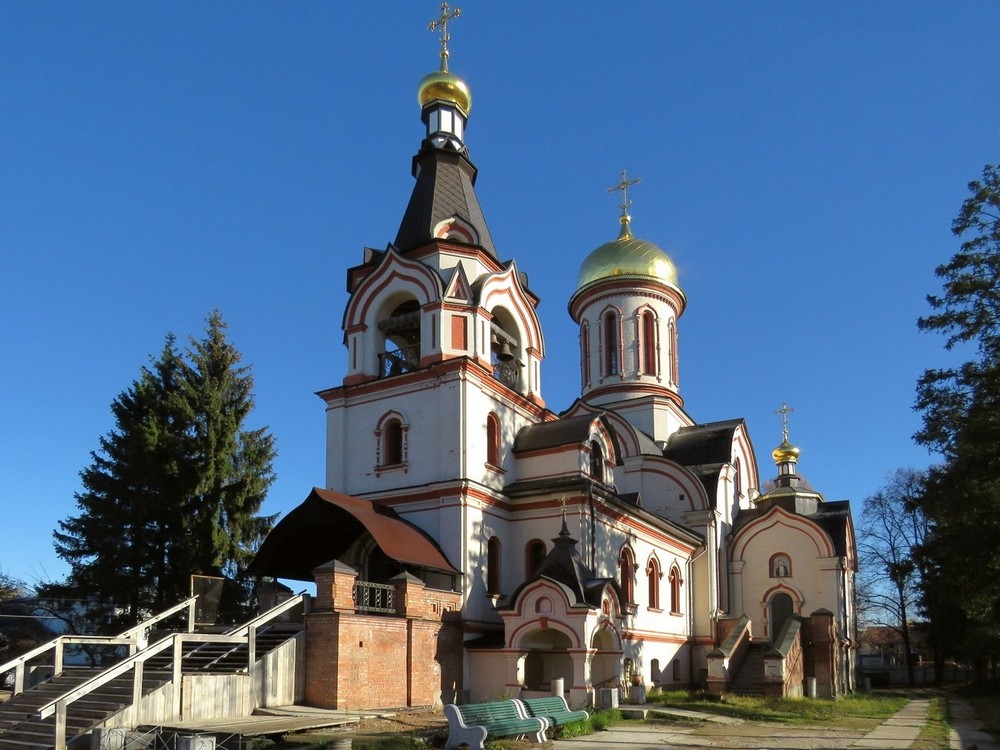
[[442, 23], [784, 411], [624, 184]]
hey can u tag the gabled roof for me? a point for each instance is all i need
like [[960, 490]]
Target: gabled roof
[[562, 431], [327, 523], [710, 443], [444, 189]]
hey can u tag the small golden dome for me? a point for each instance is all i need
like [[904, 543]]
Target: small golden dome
[[629, 257], [445, 86], [785, 453]]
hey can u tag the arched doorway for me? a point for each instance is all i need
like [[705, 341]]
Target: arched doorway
[[547, 658], [781, 609], [605, 660]]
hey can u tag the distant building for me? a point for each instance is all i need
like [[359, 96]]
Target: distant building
[[470, 543]]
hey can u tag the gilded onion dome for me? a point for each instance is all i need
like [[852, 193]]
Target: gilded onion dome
[[442, 85], [785, 453], [627, 257]]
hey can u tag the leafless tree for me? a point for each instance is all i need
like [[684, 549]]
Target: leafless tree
[[893, 526]]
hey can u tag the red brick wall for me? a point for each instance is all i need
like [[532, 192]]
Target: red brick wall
[[356, 661]]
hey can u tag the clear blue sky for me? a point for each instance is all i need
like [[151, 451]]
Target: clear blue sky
[[801, 163]]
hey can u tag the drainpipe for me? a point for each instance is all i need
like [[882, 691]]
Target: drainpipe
[[690, 608], [593, 526]]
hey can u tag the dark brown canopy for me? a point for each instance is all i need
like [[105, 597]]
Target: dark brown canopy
[[327, 523]]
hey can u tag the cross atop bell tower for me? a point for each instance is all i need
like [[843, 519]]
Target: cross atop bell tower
[[442, 23]]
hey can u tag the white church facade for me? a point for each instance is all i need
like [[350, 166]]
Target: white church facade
[[472, 543]]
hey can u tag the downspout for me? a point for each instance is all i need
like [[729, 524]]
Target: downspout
[[593, 527], [690, 608]]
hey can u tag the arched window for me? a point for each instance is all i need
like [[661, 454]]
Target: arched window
[[493, 440], [534, 553], [626, 562], [585, 353], [673, 353], [391, 441], [737, 478], [493, 563], [596, 461], [675, 590], [653, 582], [781, 566], [393, 432], [611, 363], [647, 328]]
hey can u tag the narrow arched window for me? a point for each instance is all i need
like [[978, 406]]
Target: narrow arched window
[[647, 326], [493, 440], [626, 561], [675, 590], [611, 364], [493, 563], [393, 436], [737, 478], [596, 461], [534, 553], [653, 583], [673, 353], [585, 353]]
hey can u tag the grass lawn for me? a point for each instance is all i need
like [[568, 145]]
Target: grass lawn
[[859, 711]]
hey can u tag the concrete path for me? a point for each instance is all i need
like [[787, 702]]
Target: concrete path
[[966, 728], [900, 730]]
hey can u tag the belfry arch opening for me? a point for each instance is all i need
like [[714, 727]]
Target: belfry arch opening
[[506, 354], [401, 343]]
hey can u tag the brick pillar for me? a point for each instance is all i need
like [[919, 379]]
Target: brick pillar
[[335, 587], [334, 598], [823, 652]]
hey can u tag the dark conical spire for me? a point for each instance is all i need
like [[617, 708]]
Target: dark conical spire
[[443, 204]]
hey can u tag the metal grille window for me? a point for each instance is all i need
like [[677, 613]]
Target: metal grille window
[[374, 597]]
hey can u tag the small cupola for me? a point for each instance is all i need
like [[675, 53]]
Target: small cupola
[[445, 99], [786, 455]]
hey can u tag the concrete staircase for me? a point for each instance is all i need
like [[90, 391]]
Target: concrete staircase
[[749, 680], [22, 726]]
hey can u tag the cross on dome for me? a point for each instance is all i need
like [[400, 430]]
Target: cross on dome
[[624, 184], [442, 23], [784, 411]]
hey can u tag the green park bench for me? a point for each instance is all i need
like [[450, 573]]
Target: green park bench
[[473, 723], [553, 709]]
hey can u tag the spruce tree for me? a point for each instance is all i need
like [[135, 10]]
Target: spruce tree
[[174, 489]]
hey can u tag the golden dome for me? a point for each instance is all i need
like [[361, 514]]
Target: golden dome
[[785, 453], [445, 86], [628, 257]]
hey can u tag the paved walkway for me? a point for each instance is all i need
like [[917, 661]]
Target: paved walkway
[[966, 728], [898, 732]]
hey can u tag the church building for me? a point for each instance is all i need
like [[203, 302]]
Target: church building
[[470, 543]]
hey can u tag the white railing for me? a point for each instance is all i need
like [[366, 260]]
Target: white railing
[[238, 637], [135, 638]]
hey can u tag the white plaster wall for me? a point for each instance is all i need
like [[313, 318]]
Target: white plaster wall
[[814, 575]]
